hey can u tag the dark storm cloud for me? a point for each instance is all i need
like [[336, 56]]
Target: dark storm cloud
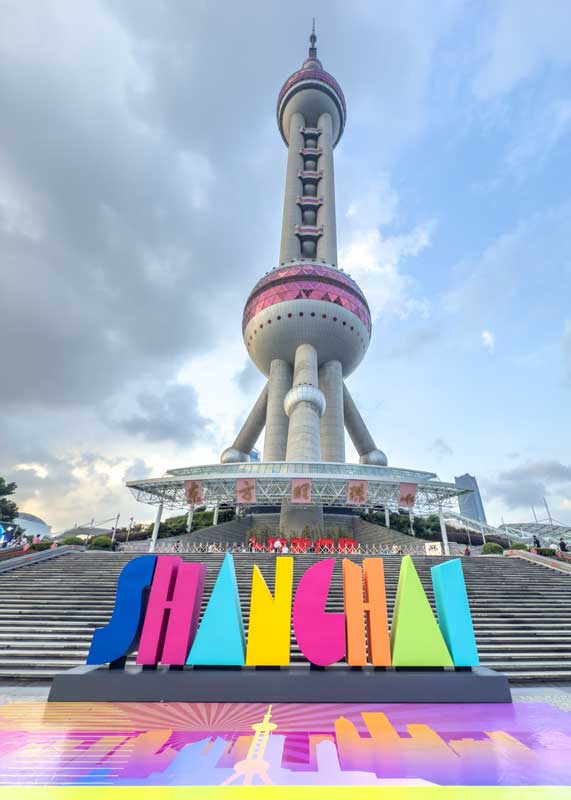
[[140, 172], [172, 415], [248, 378], [140, 199], [441, 447], [528, 483]]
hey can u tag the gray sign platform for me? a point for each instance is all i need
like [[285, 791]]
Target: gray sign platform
[[286, 685]]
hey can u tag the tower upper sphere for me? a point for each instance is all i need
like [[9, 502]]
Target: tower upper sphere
[[311, 91]]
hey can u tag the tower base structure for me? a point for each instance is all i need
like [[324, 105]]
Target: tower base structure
[[299, 520]]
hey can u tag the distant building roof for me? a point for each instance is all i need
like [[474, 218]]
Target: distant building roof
[[33, 525]]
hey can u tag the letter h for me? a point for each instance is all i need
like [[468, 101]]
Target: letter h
[[173, 612], [374, 606]]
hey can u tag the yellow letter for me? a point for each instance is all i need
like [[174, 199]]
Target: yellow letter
[[269, 631]]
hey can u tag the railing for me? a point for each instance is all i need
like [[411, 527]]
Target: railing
[[203, 547]]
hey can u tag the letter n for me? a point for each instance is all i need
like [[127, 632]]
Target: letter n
[[269, 631], [173, 612], [374, 607], [119, 637]]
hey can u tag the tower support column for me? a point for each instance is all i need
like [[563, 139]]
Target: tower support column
[[290, 249], [248, 436], [332, 421], [275, 438], [327, 244], [304, 404], [359, 433]]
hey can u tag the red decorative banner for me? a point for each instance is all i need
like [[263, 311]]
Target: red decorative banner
[[300, 490], [193, 492], [356, 493], [246, 490], [407, 495]]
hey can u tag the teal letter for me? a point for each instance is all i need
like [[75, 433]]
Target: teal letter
[[220, 640], [454, 616]]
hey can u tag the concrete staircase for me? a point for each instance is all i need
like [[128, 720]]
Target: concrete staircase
[[370, 533], [49, 609]]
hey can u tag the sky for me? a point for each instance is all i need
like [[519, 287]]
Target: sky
[[141, 183]]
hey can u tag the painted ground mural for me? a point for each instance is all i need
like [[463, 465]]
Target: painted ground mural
[[194, 744]]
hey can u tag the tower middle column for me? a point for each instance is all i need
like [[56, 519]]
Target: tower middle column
[[279, 384], [332, 421], [304, 404], [290, 249]]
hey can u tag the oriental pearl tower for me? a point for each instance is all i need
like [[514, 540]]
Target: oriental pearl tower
[[306, 323]]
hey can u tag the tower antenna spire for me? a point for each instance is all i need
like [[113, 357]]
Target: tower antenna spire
[[312, 41]]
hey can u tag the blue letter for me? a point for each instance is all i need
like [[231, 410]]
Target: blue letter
[[454, 616], [220, 639], [120, 634]]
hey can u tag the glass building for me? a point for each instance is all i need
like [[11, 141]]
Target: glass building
[[471, 505]]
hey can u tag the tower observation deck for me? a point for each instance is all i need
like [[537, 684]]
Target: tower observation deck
[[306, 326]]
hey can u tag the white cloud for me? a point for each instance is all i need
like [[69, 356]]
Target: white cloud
[[525, 35], [542, 133], [566, 343], [375, 262], [489, 340], [376, 259]]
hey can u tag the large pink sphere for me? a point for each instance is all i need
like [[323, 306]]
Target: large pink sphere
[[307, 303]]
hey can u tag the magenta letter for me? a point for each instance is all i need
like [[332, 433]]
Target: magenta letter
[[320, 635], [172, 612]]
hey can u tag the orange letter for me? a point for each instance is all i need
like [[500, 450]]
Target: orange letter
[[374, 606]]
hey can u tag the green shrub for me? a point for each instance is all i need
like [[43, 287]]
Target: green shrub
[[546, 551], [39, 546], [519, 546], [492, 549], [101, 543], [73, 540]]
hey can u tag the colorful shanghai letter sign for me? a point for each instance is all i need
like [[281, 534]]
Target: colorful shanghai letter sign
[[167, 623]]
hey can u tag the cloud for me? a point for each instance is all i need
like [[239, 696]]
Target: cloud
[[138, 469], [171, 415], [566, 345], [522, 37], [414, 341], [527, 484], [248, 378], [553, 471], [541, 134], [441, 447], [489, 341], [377, 259]]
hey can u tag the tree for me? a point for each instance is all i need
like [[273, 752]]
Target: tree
[[8, 508]]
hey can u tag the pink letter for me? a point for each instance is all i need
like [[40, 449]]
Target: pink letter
[[320, 635], [172, 612]]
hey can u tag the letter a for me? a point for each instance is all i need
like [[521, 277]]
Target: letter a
[[119, 637], [269, 631], [453, 610], [320, 635], [416, 640], [173, 612], [374, 607], [220, 639]]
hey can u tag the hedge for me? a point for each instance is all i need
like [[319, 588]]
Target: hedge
[[39, 546], [492, 549], [101, 543]]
